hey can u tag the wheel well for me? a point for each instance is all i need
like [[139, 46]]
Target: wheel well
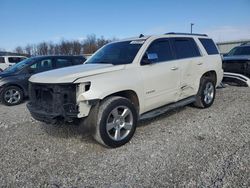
[[129, 94], [212, 75]]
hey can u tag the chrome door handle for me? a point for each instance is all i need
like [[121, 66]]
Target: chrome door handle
[[174, 68], [200, 63]]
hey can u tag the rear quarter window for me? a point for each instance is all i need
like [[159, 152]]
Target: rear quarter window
[[209, 46]]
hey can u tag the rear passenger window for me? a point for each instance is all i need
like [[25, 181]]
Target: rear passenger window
[[162, 49], [209, 46], [185, 48], [63, 62]]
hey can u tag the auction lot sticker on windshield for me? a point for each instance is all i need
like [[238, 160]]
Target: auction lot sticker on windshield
[[137, 42]]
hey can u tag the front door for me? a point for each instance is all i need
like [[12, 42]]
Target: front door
[[162, 77]]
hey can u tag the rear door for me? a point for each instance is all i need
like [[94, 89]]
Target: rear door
[[161, 78], [190, 62]]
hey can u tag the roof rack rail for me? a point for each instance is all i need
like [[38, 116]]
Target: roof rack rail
[[174, 33]]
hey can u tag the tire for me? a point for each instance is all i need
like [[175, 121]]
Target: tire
[[206, 94], [12, 95], [114, 121]]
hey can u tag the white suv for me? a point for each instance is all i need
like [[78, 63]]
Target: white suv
[[7, 61], [129, 80]]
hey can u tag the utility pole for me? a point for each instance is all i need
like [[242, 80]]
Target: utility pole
[[192, 27]]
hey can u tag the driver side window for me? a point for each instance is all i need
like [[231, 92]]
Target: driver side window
[[162, 49], [41, 66]]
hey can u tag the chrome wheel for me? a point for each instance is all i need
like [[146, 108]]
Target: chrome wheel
[[119, 123], [208, 93], [12, 96]]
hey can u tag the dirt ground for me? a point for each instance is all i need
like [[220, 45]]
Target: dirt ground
[[188, 147]]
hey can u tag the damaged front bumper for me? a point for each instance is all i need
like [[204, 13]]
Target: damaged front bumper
[[51, 103]]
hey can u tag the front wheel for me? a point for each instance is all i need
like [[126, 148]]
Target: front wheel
[[11, 96], [116, 120], [206, 94]]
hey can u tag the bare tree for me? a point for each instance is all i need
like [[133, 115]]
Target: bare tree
[[42, 48], [89, 45], [19, 50], [28, 49], [51, 50], [65, 48], [75, 47]]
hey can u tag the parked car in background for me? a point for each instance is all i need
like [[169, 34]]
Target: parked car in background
[[7, 61], [238, 60], [14, 80], [128, 80]]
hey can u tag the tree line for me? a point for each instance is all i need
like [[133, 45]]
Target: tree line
[[64, 47]]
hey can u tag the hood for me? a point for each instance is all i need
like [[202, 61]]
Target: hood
[[70, 74], [237, 57]]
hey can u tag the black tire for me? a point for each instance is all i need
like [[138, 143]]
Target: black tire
[[201, 97], [102, 113], [18, 95]]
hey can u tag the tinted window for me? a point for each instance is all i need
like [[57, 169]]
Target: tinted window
[[243, 50], [209, 46], [43, 65], [63, 62], [2, 60], [185, 48], [162, 49], [15, 59], [79, 60]]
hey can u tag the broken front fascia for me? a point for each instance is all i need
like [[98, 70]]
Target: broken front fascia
[[84, 105], [236, 78]]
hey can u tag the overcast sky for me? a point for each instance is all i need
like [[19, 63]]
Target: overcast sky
[[32, 21]]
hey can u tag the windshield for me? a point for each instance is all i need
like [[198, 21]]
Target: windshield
[[20, 65], [243, 50], [116, 53]]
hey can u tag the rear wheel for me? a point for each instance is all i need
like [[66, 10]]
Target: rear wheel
[[206, 94], [116, 120], [11, 96]]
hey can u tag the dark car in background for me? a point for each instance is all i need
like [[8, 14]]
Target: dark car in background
[[14, 80], [238, 60]]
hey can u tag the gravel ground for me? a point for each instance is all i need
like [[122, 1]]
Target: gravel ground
[[187, 147]]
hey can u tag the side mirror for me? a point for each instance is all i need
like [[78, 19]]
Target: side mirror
[[149, 58]]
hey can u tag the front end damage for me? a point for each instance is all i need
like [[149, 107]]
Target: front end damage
[[52, 103], [236, 79]]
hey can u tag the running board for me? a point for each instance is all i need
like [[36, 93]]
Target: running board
[[166, 108]]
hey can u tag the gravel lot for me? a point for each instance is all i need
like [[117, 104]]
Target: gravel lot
[[187, 147]]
